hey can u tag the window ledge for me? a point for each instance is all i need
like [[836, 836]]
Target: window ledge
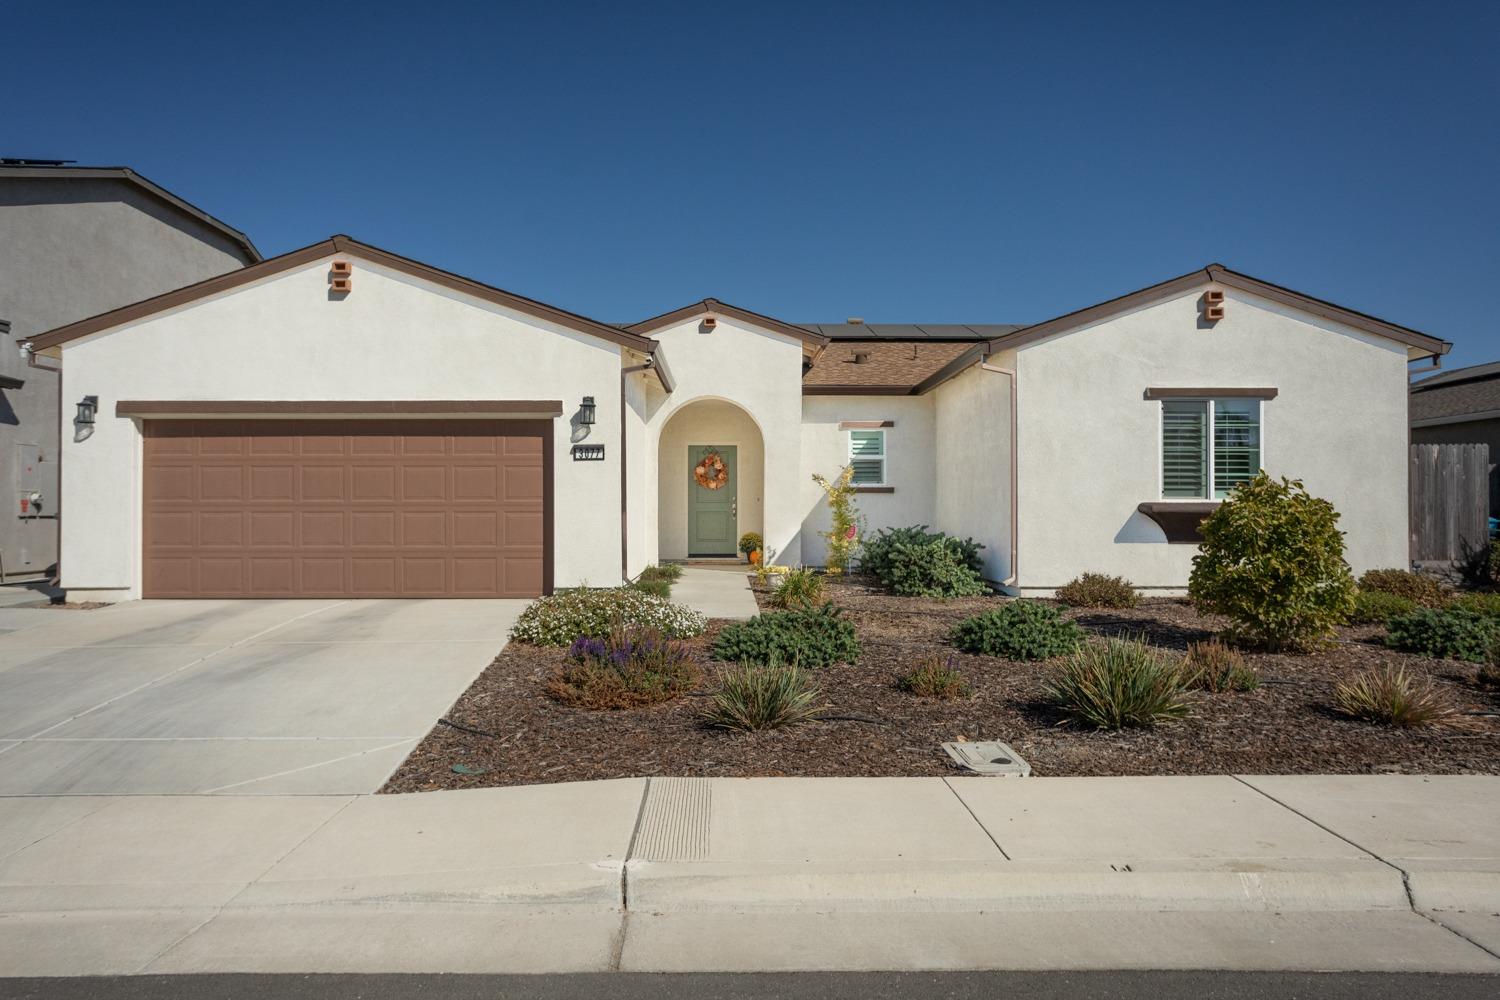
[[874, 489], [1179, 519]]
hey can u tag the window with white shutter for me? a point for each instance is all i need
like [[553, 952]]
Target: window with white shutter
[[867, 456]]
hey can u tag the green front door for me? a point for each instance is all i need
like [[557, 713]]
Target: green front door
[[712, 512]]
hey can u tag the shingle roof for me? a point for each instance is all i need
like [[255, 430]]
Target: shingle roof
[[887, 366], [912, 331], [1463, 391]]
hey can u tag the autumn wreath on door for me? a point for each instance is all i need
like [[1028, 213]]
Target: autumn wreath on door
[[711, 472]]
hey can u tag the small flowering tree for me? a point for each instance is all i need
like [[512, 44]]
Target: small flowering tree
[[843, 536]]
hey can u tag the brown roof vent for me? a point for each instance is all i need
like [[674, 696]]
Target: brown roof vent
[[855, 321], [861, 357], [709, 322]]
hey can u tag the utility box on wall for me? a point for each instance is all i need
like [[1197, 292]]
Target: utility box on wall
[[36, 509]]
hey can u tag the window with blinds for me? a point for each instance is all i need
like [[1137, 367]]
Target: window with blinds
[[1199, 435], [867, 456]]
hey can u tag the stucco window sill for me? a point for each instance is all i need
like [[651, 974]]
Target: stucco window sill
[[874, 489], [1179, 519]]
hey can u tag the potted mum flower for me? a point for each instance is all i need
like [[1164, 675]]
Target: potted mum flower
[[750, 545]]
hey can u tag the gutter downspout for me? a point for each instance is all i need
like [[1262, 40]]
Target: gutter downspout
[[1015, 492], [624, 503], [31, 362]]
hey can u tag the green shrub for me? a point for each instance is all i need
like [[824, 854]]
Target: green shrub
[[1418, 588], [559, 619], [626, 669], [798, 588], [936, 677], [656, 588], [1095, 590], [1020, 630], [1213, 666], [765, 696], [1486, 603], [1393, 697], [1119, 684], [664, 571], [811, 637], [1376, 607], [915, 562], [1272, 561], [750, 542], [1443, 634]]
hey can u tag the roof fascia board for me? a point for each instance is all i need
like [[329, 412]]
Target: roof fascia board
[[328, 248], [145, 184], [1457, 418], [813, 343]]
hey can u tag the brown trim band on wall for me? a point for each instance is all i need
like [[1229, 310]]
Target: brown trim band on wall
[[321, 407], [1178, 519], [865, 425], [874, 489], [858, 390], [1170, 392]]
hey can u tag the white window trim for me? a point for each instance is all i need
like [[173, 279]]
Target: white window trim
[[885, 453], [1161, 458]]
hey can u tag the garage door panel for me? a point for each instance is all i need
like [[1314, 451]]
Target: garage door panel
[[347, 508]]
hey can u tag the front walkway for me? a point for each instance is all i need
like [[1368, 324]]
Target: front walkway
[[243, 697], [718, 591], [1373, 873]]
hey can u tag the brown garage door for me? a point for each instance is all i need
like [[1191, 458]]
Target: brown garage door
[[347, 508]]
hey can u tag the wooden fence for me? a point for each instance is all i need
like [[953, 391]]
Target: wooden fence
[[1450, 501]]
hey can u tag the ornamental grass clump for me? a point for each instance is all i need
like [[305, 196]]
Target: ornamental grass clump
[[811, 637], [798, 589], [936, 677], [1119, 684], [1418, 588], [1392, 696], [1444, 634], [1376, 607], [1213, 666], [560, 618], [1272, 562], [1095, 590], [1020, 630], [626, 669], [751, 697], [915, 562]]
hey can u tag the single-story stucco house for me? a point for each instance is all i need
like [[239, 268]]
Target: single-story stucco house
[[342, 421]]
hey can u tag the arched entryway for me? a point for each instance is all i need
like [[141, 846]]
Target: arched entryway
[[694, 519]]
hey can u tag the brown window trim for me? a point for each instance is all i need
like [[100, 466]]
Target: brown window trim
[[1169, 392], [874, 489], [384, 407], [1179, 519], [865, 425]]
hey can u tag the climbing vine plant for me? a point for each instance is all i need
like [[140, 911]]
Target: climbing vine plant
[[843, 536]]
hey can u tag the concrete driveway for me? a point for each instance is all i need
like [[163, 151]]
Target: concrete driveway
[[240, 697]]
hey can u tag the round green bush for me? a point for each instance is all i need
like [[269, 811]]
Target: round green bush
[[1444, 634], [804, 637], [915, 562], [1376, 607], [1020, 630], [1418, 588], [1484, 602], [559, 619], [1272, 562], [1095, 590]]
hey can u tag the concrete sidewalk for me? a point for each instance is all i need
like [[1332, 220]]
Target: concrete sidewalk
[[718, 591], [677, 874]]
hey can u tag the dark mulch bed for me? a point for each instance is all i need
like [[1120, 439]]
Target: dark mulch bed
[[1285, 727]]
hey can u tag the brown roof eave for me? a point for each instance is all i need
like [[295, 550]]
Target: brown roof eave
[[1421, 343], [327, 248], [813, 343]]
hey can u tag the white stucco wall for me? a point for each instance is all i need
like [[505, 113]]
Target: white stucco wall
[[909, 456], [1090, 448], [394, 337], [643, 395], [972, 451], [715, 422], [760, 372]]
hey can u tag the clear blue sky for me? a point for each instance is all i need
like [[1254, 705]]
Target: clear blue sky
[[940, 162]]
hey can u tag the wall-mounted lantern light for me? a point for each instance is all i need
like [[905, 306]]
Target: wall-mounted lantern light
[[87, 407], [586, 410]]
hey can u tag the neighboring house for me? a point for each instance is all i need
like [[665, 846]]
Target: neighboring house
[[1461, 406], [341, 421], [74, 242]]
